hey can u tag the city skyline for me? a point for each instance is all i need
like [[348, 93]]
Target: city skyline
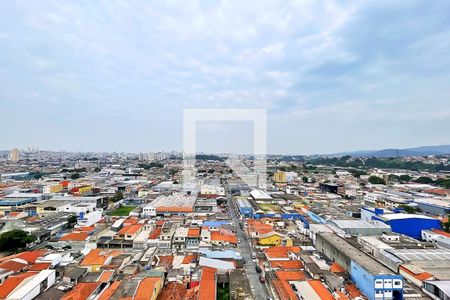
[[333, 77]]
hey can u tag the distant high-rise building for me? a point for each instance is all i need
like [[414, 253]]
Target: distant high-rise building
[[279, 177], [14, 155]]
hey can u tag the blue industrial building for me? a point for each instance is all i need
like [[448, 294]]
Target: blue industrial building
[[370, 276], [245, 208], [409, 224]]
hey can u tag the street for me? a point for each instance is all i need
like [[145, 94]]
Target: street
[[259, 290]]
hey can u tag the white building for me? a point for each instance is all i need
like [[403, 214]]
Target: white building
[[149, 211], [33, 286]]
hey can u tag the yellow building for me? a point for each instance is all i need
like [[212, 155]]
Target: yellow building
[[274, 239], [279, 177], [52, 188]]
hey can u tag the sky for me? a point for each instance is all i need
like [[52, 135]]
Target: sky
[[332, 75]]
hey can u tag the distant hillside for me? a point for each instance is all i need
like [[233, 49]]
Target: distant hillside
[[417, 151]]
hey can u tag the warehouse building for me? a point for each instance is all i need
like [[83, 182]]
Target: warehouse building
[[360, 227], [408, 224], [245, 208], [370, 276]]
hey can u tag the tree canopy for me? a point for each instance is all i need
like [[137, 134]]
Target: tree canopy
[[14, 239]]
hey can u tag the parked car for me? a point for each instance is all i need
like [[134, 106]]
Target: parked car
[[262, 279], [258, 269]]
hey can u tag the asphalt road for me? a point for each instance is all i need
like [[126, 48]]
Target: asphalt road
[[259, 290]]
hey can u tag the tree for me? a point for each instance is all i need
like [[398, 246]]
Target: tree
[[97, 169], [376, 180], [75, 176], [15, 239], [405, 178], [305, 179], [424, 180], [72, 220], [117, 196], [446, 225]]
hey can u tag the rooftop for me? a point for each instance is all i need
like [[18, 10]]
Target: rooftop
[[364, 260]]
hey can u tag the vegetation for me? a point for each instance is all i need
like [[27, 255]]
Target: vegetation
[[151, 165], [208, 157], [122, 211], [376, 180], [73, 170], [304, 179], [357, 172], [381, 163], [410, 209], [75, 176], [14, 240], [72, 220], [117, 196], [223, 292], [424, 180]]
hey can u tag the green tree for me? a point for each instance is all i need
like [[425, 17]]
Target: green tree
[[117, 196], [72, 220], [405, 178], [15, 239], [424, 180], [75, 176], [305, 179], [376, 180]]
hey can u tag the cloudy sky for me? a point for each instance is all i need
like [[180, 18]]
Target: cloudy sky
[[116, 75]]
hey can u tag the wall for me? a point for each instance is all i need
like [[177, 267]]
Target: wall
[[412, 227], [363, 280]]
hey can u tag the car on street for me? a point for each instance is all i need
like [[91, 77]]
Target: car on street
[[258, 269]]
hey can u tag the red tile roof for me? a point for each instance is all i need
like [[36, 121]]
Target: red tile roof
[[105, 276], [321, 290], [130, 229], [419, 275], [207, 288], [145, 290], [13, 265], [285, 277], [337, 268], [194, 232], [185, 209], [12, 282], [81, 291], [352, 290], [107, 293], [75, 236], [39, 267], [189, 259], [98, 256], [218, 236], [165, 261], [31, 256], [446, 234], [173, 291], [155, 233], [286, 264]]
